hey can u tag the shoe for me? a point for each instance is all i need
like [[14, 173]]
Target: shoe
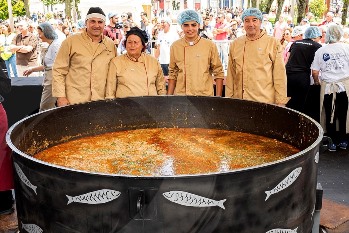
[[332, 147], [343, 145]]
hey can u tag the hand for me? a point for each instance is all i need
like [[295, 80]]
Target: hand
[[62, 101], [28, 72]]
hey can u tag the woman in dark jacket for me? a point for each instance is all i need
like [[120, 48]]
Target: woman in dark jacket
[[6, 178]]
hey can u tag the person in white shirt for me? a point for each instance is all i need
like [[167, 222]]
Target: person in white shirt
[[60, 34], [48, 35], [332, 61], [165, 39], [267, 25], [279, 27]]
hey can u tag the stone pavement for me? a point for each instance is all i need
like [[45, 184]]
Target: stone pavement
[[333, 175]]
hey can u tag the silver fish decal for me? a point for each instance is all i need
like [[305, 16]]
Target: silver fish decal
[[95, 197], [32, 228], [285, 182], [279, 230], [317, 157], [189, 199], [24, 178]]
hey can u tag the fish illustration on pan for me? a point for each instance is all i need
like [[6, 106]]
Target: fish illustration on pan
[[189, 199], [32, 228], [24, 178], [95, 197], [279, 230], [317, 157], [285, 182]]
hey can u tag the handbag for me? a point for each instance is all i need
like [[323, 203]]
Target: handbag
[[5, 82]]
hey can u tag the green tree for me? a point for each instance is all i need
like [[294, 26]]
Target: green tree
[[317, 7], [301, 5], [280, 3], [18, 8], [254, 3], [265, 5], [68, 8], [345, 12]]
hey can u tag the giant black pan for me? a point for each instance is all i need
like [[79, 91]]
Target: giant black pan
[[266, 198]]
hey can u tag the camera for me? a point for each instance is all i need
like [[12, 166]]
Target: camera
[[118, 26]]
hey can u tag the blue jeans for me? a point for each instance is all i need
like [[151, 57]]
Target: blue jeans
[[11, 62]]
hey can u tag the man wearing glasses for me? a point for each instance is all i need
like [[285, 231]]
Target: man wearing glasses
[[25, 46], [165, 39]]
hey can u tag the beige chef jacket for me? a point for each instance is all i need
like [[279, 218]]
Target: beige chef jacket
[[193, 66], [81, 68], [256, 70], [130, 77]]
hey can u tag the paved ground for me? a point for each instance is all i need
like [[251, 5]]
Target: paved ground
[[333, 174]]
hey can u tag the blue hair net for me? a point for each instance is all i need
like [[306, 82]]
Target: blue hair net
[[48, 30], [189, 15], [80, 24], [112, 14], [252, 12], [333, 34], [312, 32]]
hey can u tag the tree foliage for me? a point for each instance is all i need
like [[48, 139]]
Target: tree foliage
[[254, 3], [280, 3], [51, 2], [265, 5], [317, 7], [301, 10], [26, 7], [18, 8], [345, 12]]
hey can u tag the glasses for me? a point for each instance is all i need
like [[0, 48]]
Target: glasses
[[126, 27]]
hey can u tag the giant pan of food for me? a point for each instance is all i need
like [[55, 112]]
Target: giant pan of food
[[268, 195]]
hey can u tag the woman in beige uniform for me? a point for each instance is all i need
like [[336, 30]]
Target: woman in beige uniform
[[135, 73]]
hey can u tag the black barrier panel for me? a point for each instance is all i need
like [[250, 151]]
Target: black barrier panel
[[24, 98]]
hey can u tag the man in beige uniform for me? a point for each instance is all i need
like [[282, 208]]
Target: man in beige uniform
[[194, 61], [81, 66], [256, 70]]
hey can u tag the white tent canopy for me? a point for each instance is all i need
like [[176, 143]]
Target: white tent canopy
[[118, 6]]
